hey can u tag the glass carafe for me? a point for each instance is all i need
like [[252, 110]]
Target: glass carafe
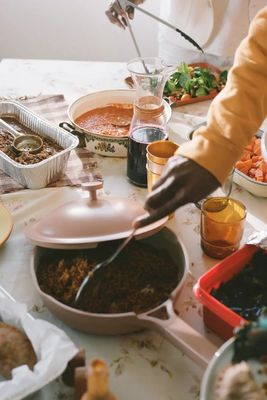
[[149, 119]]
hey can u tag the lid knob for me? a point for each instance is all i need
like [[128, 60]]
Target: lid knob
[[92, 187]]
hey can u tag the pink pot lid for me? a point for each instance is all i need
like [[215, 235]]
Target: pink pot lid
[[86, 222]]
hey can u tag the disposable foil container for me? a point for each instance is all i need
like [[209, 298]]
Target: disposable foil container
[[39, 175]]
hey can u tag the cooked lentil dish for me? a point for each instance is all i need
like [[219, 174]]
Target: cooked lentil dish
[[49, 148], [139, 279], [246, 292]]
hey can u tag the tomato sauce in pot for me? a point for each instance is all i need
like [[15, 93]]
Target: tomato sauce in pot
[[110, 120]]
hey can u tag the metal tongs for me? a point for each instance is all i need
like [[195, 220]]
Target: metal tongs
[[125, 3]]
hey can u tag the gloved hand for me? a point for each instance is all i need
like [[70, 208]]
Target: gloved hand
[[183, 181], [115, 12]]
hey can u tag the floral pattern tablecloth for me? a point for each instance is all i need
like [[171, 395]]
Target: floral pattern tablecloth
[[142, 365]]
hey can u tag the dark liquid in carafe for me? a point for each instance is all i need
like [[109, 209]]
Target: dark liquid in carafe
[[138, 140]]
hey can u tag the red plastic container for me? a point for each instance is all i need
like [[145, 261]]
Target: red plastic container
[[219, 318]]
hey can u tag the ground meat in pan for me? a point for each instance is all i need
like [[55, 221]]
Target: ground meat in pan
[[139, 279]]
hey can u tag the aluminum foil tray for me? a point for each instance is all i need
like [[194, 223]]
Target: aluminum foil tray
[[39, 175]]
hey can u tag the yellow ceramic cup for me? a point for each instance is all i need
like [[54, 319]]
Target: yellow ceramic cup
[[151, 178], [160, 151], [158, 154], [222, 226]]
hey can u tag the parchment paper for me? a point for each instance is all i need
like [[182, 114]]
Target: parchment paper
[[52, 346]]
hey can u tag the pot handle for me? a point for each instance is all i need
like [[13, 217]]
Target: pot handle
[[71, 129], [179, 333]]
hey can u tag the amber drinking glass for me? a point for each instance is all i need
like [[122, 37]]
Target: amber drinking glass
[[222, 226]]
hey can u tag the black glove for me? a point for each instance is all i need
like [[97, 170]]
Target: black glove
[[183, 181], [115, 12]]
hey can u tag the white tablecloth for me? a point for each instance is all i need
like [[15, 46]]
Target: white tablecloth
[[142, 365]]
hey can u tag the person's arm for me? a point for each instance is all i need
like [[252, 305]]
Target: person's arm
[[114, 12], [204, 163], [238, 111]]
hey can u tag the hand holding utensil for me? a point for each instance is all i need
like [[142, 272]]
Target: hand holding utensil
[[125, 16], [125, 3]]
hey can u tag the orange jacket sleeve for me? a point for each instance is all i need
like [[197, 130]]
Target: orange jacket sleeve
[[238, 111]]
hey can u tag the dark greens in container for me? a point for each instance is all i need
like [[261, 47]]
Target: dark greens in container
[[246, 292]]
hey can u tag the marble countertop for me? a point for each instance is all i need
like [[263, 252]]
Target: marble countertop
[[142, 365]]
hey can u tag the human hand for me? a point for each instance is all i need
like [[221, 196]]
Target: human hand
[[183, 181], [115, 12]]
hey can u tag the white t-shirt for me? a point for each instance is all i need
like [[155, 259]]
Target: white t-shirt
[[218, 26]]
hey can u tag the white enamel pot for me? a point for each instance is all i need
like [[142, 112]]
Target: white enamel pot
[[103, 144]]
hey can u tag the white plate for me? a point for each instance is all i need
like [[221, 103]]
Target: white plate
[[221, 360], [251, 185], [100, 144], [6, 224], [264, 145]]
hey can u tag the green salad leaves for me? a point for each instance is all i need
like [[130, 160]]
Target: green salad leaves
[[194, 81]]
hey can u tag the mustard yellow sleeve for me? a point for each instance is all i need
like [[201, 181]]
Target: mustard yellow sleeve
[[238, 111]]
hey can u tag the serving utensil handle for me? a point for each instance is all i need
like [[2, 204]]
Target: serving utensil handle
[[10, 129], [181, 335], [72, 129]]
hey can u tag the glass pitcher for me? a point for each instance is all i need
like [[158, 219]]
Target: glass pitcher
[[149, 123]]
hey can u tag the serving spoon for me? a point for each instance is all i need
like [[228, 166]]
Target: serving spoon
[[22, 142], [107, 261]]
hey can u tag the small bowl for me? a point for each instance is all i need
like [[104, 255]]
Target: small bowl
[[102, 144], [251, 185], [259, 189]]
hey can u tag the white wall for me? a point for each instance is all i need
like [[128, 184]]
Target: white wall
[[71, 30]]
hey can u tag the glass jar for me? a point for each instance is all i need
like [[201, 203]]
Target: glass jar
[[149, 75], [148, 125]]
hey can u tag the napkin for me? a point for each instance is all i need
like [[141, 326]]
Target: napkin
[[52, 346], [81, 162]]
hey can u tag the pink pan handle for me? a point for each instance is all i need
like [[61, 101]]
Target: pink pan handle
[[180, 334]]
